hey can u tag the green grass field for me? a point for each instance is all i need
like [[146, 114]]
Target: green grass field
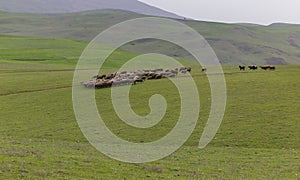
[[234, 43], [40, 138]]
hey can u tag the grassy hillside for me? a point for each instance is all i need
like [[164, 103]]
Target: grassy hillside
[[238, 44], [32, 49], [233, 43], [47, 51], [40, 138], [82, 26]]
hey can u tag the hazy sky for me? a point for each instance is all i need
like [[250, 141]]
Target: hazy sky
[[233, 11]]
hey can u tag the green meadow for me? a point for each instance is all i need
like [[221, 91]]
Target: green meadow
[[40, 137], [233, 43]]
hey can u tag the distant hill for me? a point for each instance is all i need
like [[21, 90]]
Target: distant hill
[[284, 25], [70, 6], [233, 43]]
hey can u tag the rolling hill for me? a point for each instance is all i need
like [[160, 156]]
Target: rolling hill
[[70, 6], [233, 43]]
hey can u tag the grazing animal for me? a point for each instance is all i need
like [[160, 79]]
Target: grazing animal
[[138, 80], [188, 69], [264, 67], [252, 67], [101, 77], [157, 70], [185, 69], [151, 77], [158, 76], [182, 68], [171, 75], [242, 68], [111, 76], [267, 67], [174, 71]]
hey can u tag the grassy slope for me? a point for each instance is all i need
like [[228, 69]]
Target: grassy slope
[[83, 26], [233, 43], [64, 52], [258, 139], [33, 49]]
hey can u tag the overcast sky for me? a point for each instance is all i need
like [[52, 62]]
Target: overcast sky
[[234, 11]]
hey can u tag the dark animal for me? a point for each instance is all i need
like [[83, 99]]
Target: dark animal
[[272, 68], [110, 76], [264, 67], [242, 68], [189, 69], [252, 67], [158, 76], [138, 80], [151, 77], [204, 69], [268, 67], [101, 76]]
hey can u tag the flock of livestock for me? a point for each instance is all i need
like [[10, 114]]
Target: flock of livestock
[[139, 76], [254, 67], [133, 77]]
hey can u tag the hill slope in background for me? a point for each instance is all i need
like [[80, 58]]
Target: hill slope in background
[[233, 43], [70, 6]]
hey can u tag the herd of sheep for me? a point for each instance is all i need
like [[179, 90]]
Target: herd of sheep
[[138, 76], [133, 77]]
